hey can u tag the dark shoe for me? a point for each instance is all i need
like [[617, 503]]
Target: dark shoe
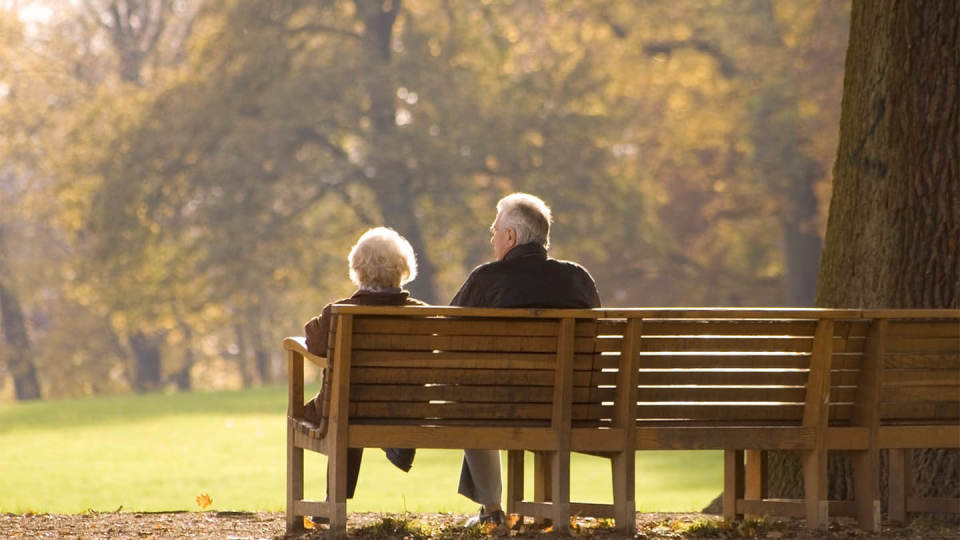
[[497, 517], [401, 457]]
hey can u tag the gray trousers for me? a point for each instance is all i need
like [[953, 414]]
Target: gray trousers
[[480, 477]]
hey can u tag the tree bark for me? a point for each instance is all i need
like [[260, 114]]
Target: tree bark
[[389, 176], [19, 362], [893, 234]]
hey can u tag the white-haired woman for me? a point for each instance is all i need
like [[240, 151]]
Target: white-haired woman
[[381, 262]]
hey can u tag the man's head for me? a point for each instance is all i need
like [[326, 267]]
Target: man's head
[[382, 259], [521, 218]]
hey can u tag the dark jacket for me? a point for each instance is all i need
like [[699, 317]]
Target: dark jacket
[[526, 277]]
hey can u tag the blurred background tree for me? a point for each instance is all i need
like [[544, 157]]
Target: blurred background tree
[[180, 180]]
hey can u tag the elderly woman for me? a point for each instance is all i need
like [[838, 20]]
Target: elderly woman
[[380, 263]]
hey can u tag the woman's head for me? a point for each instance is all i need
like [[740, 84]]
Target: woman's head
[[381, 259]]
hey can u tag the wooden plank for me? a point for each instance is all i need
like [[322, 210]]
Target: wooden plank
[[728, 413], [725, 343], [866, 462], [519, 377], [468, 394], [722, 378], [476, 360], [403, 342], [294, 384], [847, 438], [818, 387], [299, 345], [456, 327], [597, 440], [727, 360], [755, 473], [932, 436], [455, 437], [621, 313], [739, 394], [926, 411], [922, 377], [723, 438], [899, 484], [339, 424], [922, 361], [561, 422], [520, 411], [514, 481], [816, 415], [623, 464], [936, 345], [728, 327], [894, 394], [733, 482], [908, 328]]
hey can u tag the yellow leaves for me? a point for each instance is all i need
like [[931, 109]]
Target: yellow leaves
[[204, 500], [308, 523]]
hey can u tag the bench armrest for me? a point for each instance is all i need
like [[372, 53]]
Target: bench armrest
[[299, 345]]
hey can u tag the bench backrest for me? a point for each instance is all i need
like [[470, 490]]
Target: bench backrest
[[425, 369], [701, 367]]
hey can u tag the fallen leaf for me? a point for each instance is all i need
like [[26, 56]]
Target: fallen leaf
[[512, 520], [548, 530], [203, 501], [308, 523]]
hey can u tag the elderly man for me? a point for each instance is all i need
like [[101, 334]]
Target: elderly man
[[522, 276]]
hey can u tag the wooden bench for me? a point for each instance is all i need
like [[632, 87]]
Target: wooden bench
[[615, 381]]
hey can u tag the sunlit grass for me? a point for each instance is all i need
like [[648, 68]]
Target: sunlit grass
[[158, 452]]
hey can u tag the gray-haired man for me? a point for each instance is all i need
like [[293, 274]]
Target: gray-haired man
[[522, 276]]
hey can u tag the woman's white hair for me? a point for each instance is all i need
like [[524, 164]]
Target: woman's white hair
[[382, 258], [528, 215]]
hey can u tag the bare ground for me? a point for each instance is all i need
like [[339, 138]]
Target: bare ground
[[270, 525]]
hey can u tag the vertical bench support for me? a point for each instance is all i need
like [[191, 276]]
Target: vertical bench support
[[900, 484], [733, 483], [294, 453], [562, 425], [866, 414], [338, 428], [816, 415], [624, 417]]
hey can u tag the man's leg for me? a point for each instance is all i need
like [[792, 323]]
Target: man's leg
[[480, 477]]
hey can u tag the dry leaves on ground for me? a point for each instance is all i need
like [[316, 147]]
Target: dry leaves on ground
[[372, 526]]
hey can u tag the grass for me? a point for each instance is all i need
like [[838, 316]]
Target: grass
[[158, 452]]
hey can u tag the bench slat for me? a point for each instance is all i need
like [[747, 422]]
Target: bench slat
[[926, 329], [893, 394], [923, 377], [517, 394], [744, 378], [474, 360], [929, 361], [726, 360], [933, 345]]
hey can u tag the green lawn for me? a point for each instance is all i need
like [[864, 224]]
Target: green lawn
[[158, 452]]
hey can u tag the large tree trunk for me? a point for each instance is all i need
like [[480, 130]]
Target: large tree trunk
[[893, 235], [19, 362], [390, 177]]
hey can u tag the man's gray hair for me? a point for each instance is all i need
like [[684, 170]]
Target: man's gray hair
[[528, 215]]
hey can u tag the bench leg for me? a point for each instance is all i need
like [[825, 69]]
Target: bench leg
[[514, 481], [623, 466], [337, 490], [866, 489], [900, 484], [815, 488], [733, 483], [542, 476], [561, 492], [294, 483]]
